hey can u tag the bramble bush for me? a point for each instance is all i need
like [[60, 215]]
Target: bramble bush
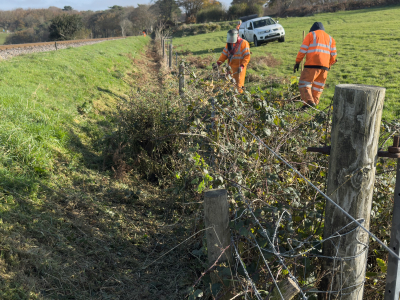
[[200, 141]]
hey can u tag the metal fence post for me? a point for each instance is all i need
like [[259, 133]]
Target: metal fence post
[[216, 215], [356, 120]]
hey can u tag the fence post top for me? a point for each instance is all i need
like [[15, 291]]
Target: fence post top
[[215, 193], [361, 87]]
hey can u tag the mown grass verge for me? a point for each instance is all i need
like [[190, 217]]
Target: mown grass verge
[[67, 229], [367, 51]]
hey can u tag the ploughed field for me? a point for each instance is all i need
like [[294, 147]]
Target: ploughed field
[[367, 42]]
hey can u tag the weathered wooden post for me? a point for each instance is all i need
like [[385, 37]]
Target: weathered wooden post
[[170, 55], [357, 111], [392, 289], [181, 79], [287, 288], [163, 46], [302, 62], [216, 215], [55, 44]]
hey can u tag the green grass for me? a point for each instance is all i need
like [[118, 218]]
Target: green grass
[[367, 43], [56, 108], [2, 38], [49, 101]]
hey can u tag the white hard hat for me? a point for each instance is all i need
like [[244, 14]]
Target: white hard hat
[[232, 36]]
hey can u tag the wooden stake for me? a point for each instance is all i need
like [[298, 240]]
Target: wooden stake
[[288, 289], [170, 55], [356, 120], [216, 215], [302, 62], [181, 79]]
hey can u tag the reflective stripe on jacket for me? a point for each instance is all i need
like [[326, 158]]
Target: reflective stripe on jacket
[[240, 57], [319, 48]]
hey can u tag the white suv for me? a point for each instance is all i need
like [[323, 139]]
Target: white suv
[[261, 30]]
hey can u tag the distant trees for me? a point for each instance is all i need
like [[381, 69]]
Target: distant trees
[[66, 27], [125, 25], [191, 7], [168, 9], [212, 12], [144, 17], [67, 8]]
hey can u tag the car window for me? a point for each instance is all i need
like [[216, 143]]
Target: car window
[[242, 26], [261, 23], [249, 25], [272, 21]]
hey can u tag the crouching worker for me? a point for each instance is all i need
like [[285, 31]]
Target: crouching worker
[[320, 51], [237, 52]]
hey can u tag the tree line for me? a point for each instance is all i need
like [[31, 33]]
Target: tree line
[[41, 25]]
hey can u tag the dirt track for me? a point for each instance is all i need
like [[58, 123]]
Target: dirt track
[[9, 51]]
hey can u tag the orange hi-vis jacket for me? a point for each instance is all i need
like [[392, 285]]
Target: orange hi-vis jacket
[[239, 56], [319, 48]]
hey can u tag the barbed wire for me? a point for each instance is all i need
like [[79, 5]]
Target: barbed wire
[[304, 247]]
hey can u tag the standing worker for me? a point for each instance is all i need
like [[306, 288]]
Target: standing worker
[[238, 25], [144, 33], [237, 51], [320, 50]]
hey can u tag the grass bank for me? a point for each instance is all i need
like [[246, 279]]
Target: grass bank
[[2, 38], [366, 41], [59, 211]]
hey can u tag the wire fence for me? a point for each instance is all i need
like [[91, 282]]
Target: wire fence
[[272, 238]]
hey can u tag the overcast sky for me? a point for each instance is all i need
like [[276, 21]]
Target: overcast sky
[[76, 4]]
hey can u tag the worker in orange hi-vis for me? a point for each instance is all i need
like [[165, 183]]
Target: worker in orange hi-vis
[[144, 33], [238, 25], [237, 52], [320, 51]]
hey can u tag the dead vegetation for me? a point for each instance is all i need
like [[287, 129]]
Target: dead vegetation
[[98, 233]]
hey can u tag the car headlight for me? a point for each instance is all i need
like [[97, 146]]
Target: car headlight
[[266, 31]]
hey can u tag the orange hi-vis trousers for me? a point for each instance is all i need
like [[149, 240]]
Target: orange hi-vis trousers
[[311, 84]]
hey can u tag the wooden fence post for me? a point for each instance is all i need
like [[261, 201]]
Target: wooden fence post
[[357, 112], [216, 215], [302, 62], [288, 289], [55, 44], [163, 46], [181, 79], [170, 54], [392, 289]]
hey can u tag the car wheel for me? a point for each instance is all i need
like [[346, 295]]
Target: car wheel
[[256, 42], [281, 40]]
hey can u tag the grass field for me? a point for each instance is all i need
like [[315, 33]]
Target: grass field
[[367, 44], [56, 109], [2, 38]]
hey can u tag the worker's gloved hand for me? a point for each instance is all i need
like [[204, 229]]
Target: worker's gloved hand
[[240, 69], [296, 68], [219, 63]]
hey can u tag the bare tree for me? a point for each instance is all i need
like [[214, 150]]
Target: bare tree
[[125, 25]]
